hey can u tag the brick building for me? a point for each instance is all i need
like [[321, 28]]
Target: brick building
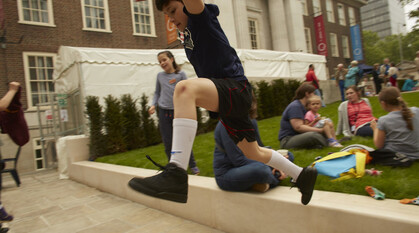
[[32, 31], [339, 17]]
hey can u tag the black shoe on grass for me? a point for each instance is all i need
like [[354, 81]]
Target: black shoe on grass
[[171, 184], [305, 183]]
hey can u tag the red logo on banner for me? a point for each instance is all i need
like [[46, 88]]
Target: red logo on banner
[[171, 31], [320, 35]]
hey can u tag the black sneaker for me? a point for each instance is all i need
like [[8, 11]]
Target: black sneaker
[[171, 184], [305, 183]]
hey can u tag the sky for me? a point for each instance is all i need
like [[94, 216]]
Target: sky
[[410, 22]]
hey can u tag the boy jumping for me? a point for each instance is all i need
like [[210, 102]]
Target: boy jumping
[[222, 88]]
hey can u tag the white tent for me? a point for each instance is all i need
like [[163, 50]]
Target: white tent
[[100, 72]]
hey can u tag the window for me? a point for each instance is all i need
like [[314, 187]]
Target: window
[[95, 15], [341, 15], [308, 40], [253, 31], [351, 14], [39, 155], [334, 45], [38, 74], [317, 9], [330, 12], [345, 47], [304, 4], [143, 18], [36, 12]]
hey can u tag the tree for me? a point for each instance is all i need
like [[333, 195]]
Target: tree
[[148, 127], [95, 116], [373, 53], [113, 122], [132, 123]]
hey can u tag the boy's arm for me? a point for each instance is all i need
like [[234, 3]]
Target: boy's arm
[[7, 99], [194, 6]]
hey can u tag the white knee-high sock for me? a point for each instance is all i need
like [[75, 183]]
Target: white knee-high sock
[[184, 131], [283, 164]]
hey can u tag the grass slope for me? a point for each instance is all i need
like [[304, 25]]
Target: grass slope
[[396, 183]]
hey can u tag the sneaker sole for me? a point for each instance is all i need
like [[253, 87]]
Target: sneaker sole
[[311, 185], [181, 198]]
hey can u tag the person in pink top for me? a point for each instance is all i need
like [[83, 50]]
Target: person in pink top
[[355, 115], [313, 119]]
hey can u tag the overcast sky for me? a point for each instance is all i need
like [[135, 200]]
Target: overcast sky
[[410, 22]]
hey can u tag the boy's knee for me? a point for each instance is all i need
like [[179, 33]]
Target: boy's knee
[[181, 88]]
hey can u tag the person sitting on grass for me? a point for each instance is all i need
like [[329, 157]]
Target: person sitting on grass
[[293, 132], [221, 88], [233, 171], [398, 131], [355, 115], [313, 119], [410, 84]]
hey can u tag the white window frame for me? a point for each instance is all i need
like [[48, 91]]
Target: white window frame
[[307, 35], [304, 5], [345, 47], [38, 146], [341, 14], [351, 15], [150, 15], [330, 11], [254, 33], [49, 11], [334, 47], [317, 8], [106, 17], [29, 82]]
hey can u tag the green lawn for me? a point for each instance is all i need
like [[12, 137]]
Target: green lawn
[[396, 183]]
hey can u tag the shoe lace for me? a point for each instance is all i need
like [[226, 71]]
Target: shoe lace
[[155, 163]]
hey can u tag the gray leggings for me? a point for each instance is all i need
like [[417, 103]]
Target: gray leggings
[[305, 141]]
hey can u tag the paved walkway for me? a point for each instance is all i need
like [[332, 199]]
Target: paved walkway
[[43, 203]]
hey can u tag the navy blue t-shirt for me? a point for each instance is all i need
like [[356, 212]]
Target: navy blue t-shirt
[[295, 110], [207, 47]]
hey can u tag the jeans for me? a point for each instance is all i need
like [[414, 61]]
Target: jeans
[[318, 93], [342, 89], [365, 131], [243, 178], [166, 132]]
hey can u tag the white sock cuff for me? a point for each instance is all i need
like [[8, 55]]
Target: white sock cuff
[[185, 122]]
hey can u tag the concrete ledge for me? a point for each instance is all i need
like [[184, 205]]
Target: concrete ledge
[[278, 210]]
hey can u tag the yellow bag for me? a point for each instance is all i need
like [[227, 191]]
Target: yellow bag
[[342, 165]]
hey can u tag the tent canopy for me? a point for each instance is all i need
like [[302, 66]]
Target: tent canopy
[[101, 72]]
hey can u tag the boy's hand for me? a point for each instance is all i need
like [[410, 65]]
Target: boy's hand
[[14, 86]]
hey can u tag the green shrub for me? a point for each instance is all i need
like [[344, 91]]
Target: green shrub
[[114, 124], [95, 117], [132, 123], [148, 127]]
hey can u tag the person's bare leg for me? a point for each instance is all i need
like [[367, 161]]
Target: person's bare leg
[[270, 157], [189, 94], [327, 131]]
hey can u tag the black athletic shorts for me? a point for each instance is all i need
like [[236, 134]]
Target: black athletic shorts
[[235, 99]]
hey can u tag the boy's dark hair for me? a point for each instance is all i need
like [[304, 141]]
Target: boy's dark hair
[[170, 55], [161, 3], [302, 90]]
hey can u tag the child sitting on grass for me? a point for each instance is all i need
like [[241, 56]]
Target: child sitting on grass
[[397, 131], [313, 119]]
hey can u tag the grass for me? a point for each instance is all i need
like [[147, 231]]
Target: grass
[[396, 183]]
